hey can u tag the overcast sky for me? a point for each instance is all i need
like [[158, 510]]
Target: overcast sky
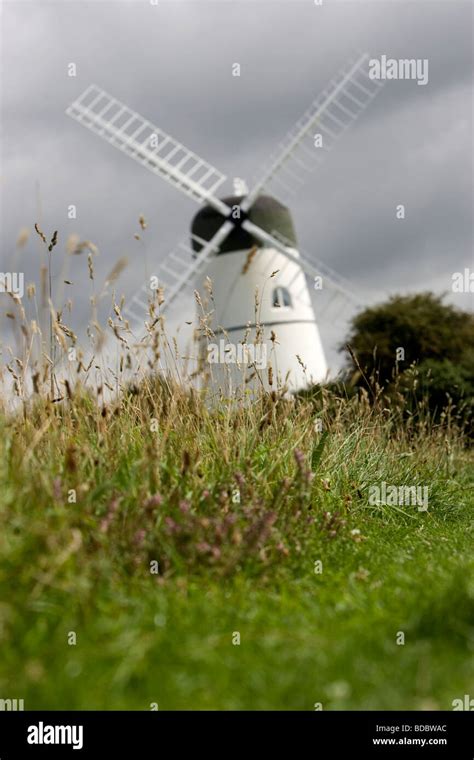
[[173, 64]]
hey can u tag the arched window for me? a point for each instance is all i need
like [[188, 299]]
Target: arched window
[[281, 297]]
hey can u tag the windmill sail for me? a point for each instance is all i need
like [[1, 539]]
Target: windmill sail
[[338, 106], [330, 115], [146, 143], [177, 273], [315, 268]]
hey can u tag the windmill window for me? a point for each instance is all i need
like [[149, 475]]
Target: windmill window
[[282, 298]]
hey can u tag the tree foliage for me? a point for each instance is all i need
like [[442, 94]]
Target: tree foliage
[[415, 341]]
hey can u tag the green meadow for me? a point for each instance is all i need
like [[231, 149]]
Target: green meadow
[[158, 552]]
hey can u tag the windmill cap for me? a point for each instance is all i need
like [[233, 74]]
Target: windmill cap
[[266, 212]]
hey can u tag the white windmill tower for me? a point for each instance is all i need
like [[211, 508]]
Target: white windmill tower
[[243, 243]]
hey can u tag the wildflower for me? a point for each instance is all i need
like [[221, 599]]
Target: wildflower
[[106, 522], [171, 525], [239, 479], [362, 574], [57, 489], [299, 458], [139, 537], [154, 501], [357, 536]]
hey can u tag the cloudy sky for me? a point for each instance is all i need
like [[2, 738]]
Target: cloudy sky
[[172, 62]]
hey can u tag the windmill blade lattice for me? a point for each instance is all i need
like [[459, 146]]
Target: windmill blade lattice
[[331, 114], [336, 108], [176, 274], [313, 267], [336, 291], [146, 143]]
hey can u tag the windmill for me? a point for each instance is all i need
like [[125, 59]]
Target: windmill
[[246, 242]]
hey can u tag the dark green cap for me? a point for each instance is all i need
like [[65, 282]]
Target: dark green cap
[[266, 212]]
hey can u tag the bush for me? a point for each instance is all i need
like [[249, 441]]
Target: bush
[[437, 363]]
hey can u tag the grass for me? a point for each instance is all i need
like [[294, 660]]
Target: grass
[[259, 525], [162, 548]]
